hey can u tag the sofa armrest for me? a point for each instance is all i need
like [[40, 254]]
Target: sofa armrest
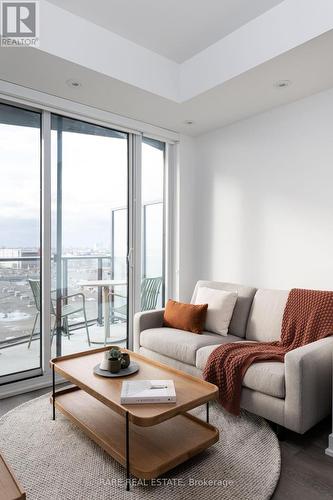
[[144, 321], [308, 378]]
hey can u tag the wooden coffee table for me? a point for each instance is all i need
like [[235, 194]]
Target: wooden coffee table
[[9, 487], [147, 439]]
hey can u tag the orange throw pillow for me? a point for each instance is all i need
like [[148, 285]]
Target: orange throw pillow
[[185, 316]]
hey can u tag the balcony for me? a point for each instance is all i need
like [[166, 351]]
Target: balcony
[[18, 309]]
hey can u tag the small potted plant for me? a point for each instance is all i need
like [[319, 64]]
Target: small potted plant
[[115, 360], [125, 360]]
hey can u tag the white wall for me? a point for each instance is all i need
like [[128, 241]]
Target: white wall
[[263, 193]]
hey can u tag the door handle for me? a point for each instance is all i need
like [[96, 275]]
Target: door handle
[[129, 257]]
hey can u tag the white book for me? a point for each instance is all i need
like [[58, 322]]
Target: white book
[[138, 392]]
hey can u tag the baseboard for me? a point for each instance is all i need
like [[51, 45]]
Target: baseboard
[[29, 385]]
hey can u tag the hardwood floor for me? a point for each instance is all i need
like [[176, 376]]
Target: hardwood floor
[[307, 473], [10, 403]]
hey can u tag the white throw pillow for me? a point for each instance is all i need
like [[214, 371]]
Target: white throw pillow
[[220, 308]]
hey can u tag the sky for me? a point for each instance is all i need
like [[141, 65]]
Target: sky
[[19, 186], [94, 182]]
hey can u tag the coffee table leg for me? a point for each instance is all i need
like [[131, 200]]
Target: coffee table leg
[[127, 453], [207, 412], [53, 393]]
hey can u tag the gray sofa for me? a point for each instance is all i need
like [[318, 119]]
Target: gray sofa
[[295, 394]]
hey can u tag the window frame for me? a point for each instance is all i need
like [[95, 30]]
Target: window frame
[[45, 105], [31, 373]]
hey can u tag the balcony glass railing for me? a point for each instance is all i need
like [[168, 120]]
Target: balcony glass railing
[[17, 304]]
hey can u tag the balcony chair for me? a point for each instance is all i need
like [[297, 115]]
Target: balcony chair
[[150, 289], [66, 310]]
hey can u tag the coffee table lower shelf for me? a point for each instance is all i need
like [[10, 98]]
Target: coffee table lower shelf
[[152, 450]]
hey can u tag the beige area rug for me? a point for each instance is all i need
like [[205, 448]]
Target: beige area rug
[[54, 460]]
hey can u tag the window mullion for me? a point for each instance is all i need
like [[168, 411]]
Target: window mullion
[[46, 241]]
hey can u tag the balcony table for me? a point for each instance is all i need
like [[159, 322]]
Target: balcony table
[[106, 285]]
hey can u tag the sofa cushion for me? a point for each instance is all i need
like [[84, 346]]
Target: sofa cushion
[[179, 344], [266, 314], [221, 305], [266, 377], [243, 304], [182, 316]]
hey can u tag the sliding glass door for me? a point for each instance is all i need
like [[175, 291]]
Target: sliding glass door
[[72, 178], [89, 238], [153, 224], [20, 249]]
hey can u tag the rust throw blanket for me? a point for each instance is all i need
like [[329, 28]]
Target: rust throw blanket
[[308, 316]]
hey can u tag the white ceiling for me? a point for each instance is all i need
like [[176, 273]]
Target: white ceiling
[[308, 66], [176, 29]]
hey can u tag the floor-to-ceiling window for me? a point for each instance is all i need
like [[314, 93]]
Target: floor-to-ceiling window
[[90, 187], [97, 276], [20, 249], [153, 224]]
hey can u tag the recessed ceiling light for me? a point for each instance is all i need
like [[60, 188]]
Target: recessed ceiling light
[[75, 84], [281, 84], [188, 122]]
